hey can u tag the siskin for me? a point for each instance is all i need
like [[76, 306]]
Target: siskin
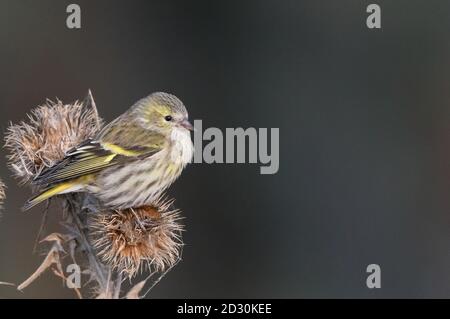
[[130, 162]]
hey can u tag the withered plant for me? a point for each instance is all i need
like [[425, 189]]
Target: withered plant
[[109, 246], [2, 193]]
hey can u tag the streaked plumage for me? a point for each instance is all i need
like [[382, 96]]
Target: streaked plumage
[[131, 161]]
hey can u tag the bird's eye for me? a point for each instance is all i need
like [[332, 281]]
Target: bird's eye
[[168, 118]]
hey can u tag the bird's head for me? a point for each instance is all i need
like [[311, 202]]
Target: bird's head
[[162, 112]]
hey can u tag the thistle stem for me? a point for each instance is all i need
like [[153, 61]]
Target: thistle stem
[[95, 264]]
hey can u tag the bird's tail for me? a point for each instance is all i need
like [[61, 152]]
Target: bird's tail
[[46, 194]]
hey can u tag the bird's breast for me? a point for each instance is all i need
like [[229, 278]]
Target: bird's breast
[[182, 149]]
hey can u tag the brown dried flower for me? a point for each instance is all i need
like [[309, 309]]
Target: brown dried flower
[[51, 130], [128, 241], [2, 193], [139, 239]]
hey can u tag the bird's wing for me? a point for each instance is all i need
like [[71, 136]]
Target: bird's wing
[[91, 157]]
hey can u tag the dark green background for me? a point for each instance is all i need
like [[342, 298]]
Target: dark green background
[[364, 128]]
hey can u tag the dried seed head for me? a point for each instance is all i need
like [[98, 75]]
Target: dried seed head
[[2, 193], [51, 130], [138, 239]]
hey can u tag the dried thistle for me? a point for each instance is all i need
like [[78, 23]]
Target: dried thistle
[[51, 130], [127, 241], [2, 193], [139, 239]]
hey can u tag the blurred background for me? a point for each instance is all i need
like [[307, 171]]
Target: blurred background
[[364, 136]]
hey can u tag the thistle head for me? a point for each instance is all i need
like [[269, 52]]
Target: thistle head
[[50, 130], [138, 239], [2, 193]]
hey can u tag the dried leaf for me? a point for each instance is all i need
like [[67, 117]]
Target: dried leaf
[[52, 258], [6, 283], [134, 292], [55, 237], [58, 241]]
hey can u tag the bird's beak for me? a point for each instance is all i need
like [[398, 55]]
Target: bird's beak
[[187, 125]]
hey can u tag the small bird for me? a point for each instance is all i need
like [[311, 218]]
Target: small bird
[[131, 161]]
